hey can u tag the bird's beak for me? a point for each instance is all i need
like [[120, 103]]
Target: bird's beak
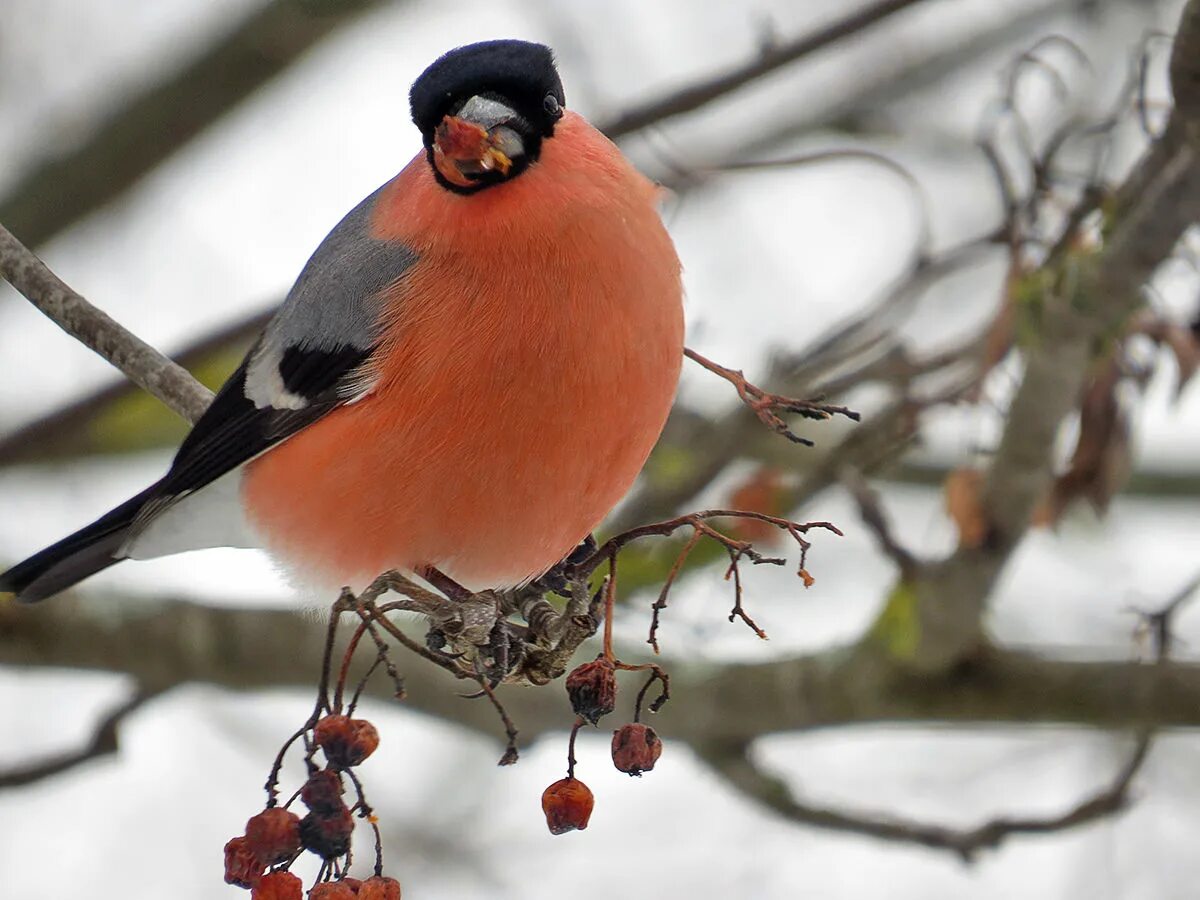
[[476, 142]]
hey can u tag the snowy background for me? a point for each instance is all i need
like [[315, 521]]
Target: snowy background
[[224, 225]]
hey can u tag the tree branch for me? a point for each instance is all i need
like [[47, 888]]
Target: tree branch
[[1085, 300], [163, 644], [102, 743], [734, 764], [155, 123], [769, 60], [143, 365]]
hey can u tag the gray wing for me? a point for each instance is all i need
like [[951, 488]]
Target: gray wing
[[312, 357], [331, 318]]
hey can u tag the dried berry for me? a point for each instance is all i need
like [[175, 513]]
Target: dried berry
[[592, 688], [274, 835], [242, 866], [323, 792], [333, 890], [346, 742], [635, 748], [327, 834], [278, 886], [567, 805], [379, 887]]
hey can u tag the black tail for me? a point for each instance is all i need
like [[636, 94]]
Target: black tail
[[76, 557]]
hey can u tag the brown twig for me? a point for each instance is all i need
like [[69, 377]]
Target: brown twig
[[700, 528], [378, 614], [698, 521], [343, 603], [738, 611], [661, 603], [571, 746], [344, 671], [767, 406], [382, 657], [657, 673], [366, 812], [365, 680], [511, 754]]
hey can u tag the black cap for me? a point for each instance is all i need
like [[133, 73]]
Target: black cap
[[519, 72]]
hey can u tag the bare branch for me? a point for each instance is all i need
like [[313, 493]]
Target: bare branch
[[767, 406], [102, 743], [870, 508], [162, 644], [771, 58], [153, 124], [734, 762], [735, 765], [144, 365], [1083, 296]]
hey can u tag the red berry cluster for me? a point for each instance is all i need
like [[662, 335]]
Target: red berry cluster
[[260, 858], [327, 828], [377, 887], [272, 837], [592, 689]]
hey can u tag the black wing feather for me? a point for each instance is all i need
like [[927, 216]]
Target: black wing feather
[[231, 431]]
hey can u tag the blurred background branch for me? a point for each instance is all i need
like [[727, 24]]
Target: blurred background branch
[[1058, 357], [155, 123]]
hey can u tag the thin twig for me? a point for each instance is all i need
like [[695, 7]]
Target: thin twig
[[382, 657], [738, 611], [657, 673], [511, 754], [767, 406], [661, 603], [697, 520]]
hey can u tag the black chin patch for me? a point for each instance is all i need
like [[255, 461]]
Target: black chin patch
[[521, 72]]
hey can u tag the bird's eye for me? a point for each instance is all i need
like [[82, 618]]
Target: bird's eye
[[550, 104]]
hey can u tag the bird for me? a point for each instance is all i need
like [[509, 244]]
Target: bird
[[468, 374]]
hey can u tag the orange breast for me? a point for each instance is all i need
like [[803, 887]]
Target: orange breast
[[528, 365]]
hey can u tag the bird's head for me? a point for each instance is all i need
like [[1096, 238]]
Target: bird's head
[[484, 110]]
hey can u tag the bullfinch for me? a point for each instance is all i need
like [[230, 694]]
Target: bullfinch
[[468, 374]]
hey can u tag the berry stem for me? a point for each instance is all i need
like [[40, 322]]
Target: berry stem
[[272, 785], [610, 602], [344, 671], [571, 746]]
